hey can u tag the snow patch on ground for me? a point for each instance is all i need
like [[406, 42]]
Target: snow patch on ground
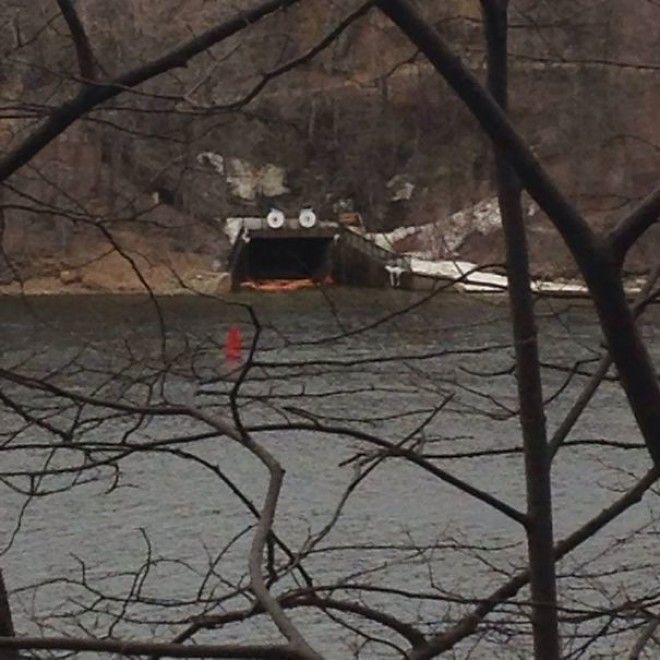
[[454, 270], [246, 180], [233, 226], [483, 218], [471, 280], [445, 237]]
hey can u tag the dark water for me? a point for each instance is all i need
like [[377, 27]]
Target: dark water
[[347, 367]]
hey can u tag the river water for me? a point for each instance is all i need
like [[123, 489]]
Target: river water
[[438, 373]]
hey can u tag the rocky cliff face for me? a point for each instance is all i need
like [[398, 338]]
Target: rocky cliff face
[[366, 125]]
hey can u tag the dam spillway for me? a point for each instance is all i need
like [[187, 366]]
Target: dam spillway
[[345, 254], [323, 252]]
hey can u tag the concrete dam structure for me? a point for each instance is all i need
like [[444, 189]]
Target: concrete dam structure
[[279, 248]]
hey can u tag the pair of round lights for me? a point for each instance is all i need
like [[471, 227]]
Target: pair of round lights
[[276, 219]]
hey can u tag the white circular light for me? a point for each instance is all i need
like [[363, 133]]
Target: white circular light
[[275, 219], [307, 218]]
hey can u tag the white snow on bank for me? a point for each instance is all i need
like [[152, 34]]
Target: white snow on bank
[[566, 288], [452, 270], [484, 218], [448, 235], [474, 281], [233, 226], [247, 180]]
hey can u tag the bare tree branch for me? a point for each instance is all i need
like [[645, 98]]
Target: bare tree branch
[[468, 624], [6, 624], [92, 95], [391, 449], [306, 57], [578, 407], [264, 528], [634, 225], [84, 50], [308, 598], [273, 652], [595, 261], [647, 635]]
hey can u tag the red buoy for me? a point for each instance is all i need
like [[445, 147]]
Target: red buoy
[[234, 344]]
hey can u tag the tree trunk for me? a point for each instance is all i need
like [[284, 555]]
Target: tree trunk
[[530, 393], [6, 625], [597, 257]]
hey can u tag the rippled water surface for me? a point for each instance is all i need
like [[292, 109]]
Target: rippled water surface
[[333, 358]]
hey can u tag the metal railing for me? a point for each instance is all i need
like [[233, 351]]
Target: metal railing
[[373, 250]]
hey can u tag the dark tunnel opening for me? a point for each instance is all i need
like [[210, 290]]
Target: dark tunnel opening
[[287, 258]]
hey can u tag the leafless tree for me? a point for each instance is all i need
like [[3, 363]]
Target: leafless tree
[[105, 407]]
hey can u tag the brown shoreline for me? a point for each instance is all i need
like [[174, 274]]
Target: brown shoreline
[[210, 283]]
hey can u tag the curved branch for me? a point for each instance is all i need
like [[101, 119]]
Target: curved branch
[[80, 40], [263, 531], [576, 232], [634, 225], [306, 57], [306, 599], [391, 449]]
